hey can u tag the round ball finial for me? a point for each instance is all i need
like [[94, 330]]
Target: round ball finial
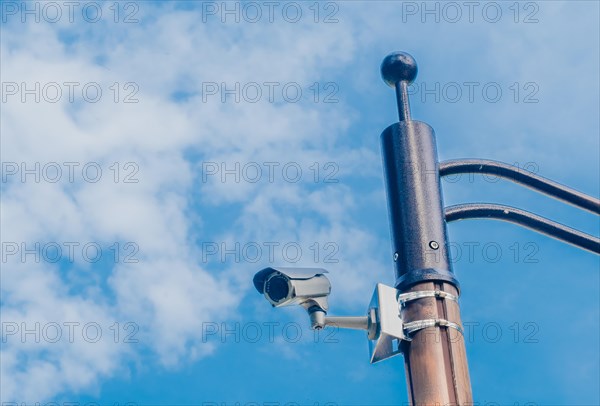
[[397, 67]]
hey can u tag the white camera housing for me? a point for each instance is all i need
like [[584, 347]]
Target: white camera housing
[[307, 287]]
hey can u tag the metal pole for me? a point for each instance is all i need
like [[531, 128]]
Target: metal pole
[[435, 359], [531, 180]]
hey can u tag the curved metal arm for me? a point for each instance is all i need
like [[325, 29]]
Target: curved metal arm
[[525, 219], [536, 182]]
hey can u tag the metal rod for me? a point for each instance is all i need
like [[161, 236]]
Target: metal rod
[[402, 100], [351, 322], [435, 359], [525, 219], [531, 180]]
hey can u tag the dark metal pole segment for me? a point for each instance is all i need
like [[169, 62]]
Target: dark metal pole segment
[[525, 219], [413, 185], [531, 180], [415, 205], [435, 359]]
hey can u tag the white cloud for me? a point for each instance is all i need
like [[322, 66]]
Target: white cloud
[[166, 294]]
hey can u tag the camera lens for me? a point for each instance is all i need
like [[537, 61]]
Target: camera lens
[[277, 287]]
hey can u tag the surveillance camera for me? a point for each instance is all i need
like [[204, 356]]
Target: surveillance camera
[[308, 287]]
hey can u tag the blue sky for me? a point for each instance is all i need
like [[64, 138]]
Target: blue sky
[[172, 149]]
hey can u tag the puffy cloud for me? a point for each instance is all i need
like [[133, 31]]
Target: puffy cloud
[[128, 173]]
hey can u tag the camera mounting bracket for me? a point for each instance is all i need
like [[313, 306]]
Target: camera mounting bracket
[[386, 331], [392, 333]]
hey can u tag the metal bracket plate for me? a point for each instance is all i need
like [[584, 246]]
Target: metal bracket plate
[[390, 332], [386, 340]]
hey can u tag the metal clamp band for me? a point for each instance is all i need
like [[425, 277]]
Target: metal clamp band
[[388, 330], [414, 326], [407, 297]]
